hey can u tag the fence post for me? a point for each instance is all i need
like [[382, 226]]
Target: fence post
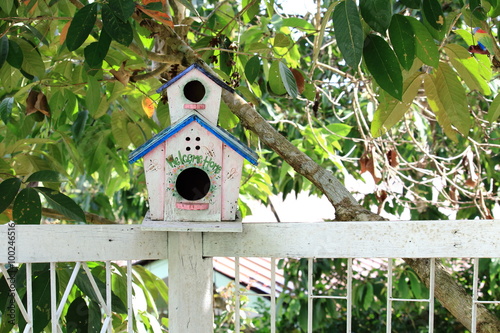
[[190, 282]]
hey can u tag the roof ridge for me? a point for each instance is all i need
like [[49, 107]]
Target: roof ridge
[[218, 131], [211, 76]]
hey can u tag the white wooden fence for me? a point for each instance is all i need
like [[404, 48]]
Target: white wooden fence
[[190, 255]]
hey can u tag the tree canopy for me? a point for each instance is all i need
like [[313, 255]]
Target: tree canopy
[[398, 97]]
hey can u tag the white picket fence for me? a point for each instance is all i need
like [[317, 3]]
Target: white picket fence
[[190, 256]]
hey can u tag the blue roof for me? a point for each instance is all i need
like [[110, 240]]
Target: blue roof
[[220, 133], [201, 69]]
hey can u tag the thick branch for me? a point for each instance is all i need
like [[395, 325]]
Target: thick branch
[[451, 294], [454, 297], [346, 207]]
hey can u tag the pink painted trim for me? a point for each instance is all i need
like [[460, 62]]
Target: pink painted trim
[[194, 106], [192, 205]]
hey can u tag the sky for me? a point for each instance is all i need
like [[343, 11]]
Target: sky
[[298, 6]]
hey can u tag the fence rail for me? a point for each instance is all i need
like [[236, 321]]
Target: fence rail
[[190, 266]]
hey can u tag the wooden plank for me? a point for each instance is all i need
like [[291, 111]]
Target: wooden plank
[[70, 243], [154, 166], [231, 179], [199, 226], [190, 283], [414, 239], [401, 239]]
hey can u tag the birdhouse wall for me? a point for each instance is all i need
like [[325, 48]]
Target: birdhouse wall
[[193, 172], [154, 166], [194, 91], [231, 178]]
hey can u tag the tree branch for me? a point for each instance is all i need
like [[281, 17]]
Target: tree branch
[[454, 297], [451, 294]]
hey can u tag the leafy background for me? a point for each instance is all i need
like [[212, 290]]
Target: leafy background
[[398, 96]]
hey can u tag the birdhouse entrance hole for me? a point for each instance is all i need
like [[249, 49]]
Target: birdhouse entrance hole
[[192, 184], [194, 91]]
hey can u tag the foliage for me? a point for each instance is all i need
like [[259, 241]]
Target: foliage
[[226, 307], [407, 86], [399, 98], [82, 310], [369, 290]]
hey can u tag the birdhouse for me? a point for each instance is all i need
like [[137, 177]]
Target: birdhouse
[[193, 167]]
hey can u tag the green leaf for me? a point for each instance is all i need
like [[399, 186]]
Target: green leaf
[[62, 203], [96, 52], [6, 109], [93, 96], [94, 316], [342, 130], [447, 98], [467, 67], [15, 56], [78, 127], [4, 49], [83, 283], [250, 13], [252, 69], [135, 134], [466, 36], [383, 65], [377, 14], [122, 9], [402, 40], [46, 176], [117, 29], [77, 316], [119, 128], [41, 299], [282, 40], [415, 285], [390, 110], [93, 58], [248, 95], [81, 26], [258, 47], [288, 80], [189, 6], [8, 191], [275, 81], [27, 207], [299, 23], [477, 10], [7, 6], [415, 4], [425, 47], [348, 32], [403, 288], [227, 119], [32, 61], [494, 110], [37, 34], [433, 13], [368, 297]]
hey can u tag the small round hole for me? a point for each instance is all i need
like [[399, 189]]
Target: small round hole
[[198, 138], [192, 184], [194, 91], [197, 147], [188, 148], [188, 138]]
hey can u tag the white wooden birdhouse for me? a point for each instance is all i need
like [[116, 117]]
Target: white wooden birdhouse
[[193, 168]]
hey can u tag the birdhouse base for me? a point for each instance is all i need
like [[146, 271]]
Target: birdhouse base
[[195, 226]]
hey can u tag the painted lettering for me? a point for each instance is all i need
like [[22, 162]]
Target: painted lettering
[[209, 164], [192, 159]]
